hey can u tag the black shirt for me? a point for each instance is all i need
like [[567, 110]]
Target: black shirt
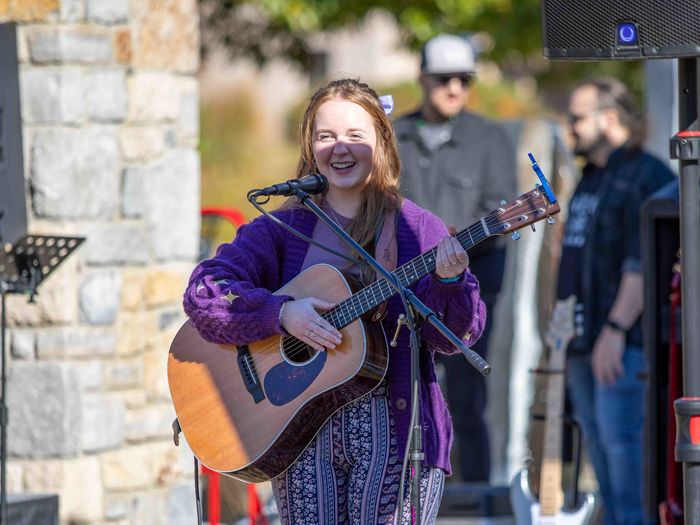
[[581, 210]]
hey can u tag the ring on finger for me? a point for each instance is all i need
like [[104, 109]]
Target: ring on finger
[[318, 320], [307, 333]]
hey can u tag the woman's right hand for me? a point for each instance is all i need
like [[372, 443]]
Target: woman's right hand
[[301, 319]]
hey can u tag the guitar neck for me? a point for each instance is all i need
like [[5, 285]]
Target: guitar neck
[[376, 293], [551, 493]]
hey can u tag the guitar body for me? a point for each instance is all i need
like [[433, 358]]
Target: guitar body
[[255, 436], [527, 510]]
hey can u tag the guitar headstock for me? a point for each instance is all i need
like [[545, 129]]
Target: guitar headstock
[[561, 324], [526, 209]]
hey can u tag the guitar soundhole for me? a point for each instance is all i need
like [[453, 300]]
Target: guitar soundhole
[[297, 351]]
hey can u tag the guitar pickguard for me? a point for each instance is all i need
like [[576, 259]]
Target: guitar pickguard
[[285, 382]]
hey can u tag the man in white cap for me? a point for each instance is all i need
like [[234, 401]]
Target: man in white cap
[[459, 165]]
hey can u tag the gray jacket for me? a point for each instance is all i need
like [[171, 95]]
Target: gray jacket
[[463, 180], [466, 177]]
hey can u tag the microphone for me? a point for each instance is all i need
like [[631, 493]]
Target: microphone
[[312, 184]]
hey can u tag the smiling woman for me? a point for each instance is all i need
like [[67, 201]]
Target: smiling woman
[[362, 116], [344, 154], [344, 460]]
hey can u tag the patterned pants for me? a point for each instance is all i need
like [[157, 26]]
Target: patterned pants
[[350, 473]]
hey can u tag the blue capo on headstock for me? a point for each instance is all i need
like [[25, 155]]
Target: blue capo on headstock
[[544, 183]]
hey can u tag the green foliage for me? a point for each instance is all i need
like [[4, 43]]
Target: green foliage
[[421, 19], [265, 29], [238, 154], [283, 24]]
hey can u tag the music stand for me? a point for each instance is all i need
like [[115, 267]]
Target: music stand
[[23, 267]]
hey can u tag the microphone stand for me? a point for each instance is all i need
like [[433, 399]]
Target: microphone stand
[[412, 305]]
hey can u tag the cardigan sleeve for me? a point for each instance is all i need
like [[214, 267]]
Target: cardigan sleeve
[[229, 297], [458, 303]]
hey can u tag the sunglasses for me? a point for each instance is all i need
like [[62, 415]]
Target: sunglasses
[[573, 119], [443, 80]]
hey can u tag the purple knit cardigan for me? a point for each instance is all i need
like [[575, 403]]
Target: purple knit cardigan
[[263, 257]]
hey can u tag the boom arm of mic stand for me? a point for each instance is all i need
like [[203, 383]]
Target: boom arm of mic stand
[[426, 313]]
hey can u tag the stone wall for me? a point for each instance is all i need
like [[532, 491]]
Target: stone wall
[[110, 129]]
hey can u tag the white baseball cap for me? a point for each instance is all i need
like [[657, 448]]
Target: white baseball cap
[[447, 54]]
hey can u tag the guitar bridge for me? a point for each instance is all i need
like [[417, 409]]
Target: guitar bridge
[[249, 374]]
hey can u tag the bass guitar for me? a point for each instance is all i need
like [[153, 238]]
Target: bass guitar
[[249, 411], [549, 509]]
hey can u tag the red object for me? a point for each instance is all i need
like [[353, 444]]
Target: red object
[[255, 512], [236, 218], [695, 430], [214, 499], [231, 214], [671, 510]]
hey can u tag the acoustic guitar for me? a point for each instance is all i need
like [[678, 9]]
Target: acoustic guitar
[[549, 509], [249, 411]]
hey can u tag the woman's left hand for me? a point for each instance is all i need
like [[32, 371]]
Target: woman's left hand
[[451, 259]]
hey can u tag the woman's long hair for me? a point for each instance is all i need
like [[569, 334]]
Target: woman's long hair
[[382, 191]]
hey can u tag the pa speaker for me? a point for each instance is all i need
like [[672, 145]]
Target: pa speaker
[[620, 29], [13, 214]]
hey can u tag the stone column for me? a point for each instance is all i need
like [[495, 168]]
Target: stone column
[[110, 129]]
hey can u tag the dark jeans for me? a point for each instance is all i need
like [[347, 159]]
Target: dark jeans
[[612, 417], [466, 399]]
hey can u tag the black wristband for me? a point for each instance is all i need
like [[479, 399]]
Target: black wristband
[[615, 325]]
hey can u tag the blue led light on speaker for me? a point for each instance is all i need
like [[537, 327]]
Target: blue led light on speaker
[[627, 34]]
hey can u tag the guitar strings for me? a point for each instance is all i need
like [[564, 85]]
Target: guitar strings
[[297, 346]]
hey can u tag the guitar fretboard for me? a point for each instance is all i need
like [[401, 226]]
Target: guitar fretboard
[[376, 293], [551, 494]]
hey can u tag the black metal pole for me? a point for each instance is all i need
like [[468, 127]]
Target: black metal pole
[[686, 147], [416, 453]]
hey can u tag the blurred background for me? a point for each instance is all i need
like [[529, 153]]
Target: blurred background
[[262, 59], [139, 114]]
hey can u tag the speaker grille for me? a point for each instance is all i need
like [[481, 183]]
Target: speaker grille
[[586, 28]]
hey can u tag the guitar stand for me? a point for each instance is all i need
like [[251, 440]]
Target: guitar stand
[[571, 500]]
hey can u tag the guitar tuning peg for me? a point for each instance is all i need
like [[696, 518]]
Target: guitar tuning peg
[[533, 227], [551, 220], [515, 236], [503, 203]]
